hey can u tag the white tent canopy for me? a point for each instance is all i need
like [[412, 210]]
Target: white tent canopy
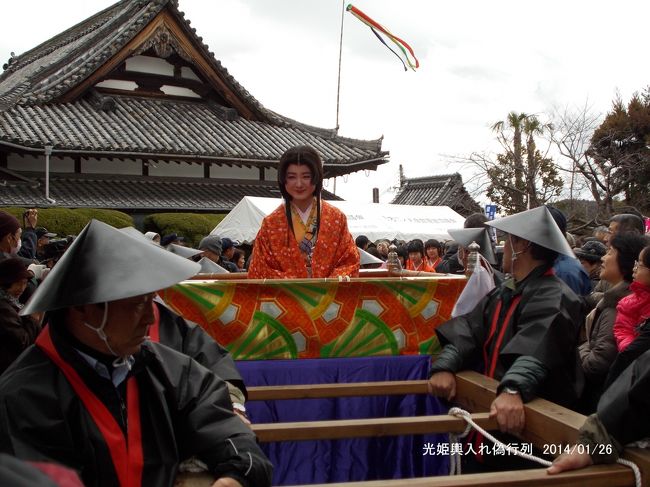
[[374, 220]]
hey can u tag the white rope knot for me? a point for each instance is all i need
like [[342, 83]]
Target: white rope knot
[[454, 461], [461, 413], [454, 457]]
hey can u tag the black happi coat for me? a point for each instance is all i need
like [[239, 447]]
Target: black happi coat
[[192, 340], [541, 316], [185, 411], [623, 407]]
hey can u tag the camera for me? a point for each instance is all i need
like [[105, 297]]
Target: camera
[[55, 249]]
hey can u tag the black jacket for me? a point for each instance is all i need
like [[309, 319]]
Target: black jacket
[[535, 352], [623, 407], [192, 340], [185, 411]]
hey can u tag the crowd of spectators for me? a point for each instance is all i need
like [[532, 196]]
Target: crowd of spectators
[[608, 273]]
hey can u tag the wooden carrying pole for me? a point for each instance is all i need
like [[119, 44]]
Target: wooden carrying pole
[[546, 423]]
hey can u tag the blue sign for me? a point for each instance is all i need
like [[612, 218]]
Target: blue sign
[[490, 211]]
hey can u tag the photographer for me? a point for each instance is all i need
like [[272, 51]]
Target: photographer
[[29, 239], [54, 249], [16, 332], [10, 233]]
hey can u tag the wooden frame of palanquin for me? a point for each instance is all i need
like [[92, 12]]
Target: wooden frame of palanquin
[[546, 423]]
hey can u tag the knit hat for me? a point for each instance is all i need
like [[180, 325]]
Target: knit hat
[[591, 251], [9, 224], [212, 243], [13, 270]]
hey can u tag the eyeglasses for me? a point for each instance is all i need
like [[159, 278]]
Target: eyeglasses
[[639, 265]]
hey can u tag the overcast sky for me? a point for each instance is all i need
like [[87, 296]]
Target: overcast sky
[[478, 61]]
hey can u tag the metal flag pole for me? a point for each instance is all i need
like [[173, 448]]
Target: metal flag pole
[[338, 85]]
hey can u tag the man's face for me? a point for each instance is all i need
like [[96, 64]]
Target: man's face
[[42, 242], [213, 256], [127, 322], [382, 248], [229, 253], [507, 255]]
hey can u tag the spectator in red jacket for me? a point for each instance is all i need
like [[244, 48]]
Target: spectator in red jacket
[[634, 309]]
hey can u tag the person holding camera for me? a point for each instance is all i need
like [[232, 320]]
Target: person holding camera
[[29, 237], [16, 332], [10, 236]]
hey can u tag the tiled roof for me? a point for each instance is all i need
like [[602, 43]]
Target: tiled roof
[[445, 190], [168, 129], [60, 63], [33, 83], [136, 193]]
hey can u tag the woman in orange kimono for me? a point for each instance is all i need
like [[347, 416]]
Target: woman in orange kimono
[[303, 237], [417, 260]]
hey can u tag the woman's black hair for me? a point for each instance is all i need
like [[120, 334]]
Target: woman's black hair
[[415, 245], [302, 155], [628, 246], [432, 242], [645, 260]]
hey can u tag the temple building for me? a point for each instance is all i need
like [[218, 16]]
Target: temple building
[[445, 189], [130, 110]]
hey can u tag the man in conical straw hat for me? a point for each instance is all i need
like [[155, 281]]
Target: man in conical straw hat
[[524, 332], [96, 395]]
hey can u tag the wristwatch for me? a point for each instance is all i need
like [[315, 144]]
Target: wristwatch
[[510, 390]]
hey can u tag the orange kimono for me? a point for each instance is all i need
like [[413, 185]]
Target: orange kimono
[[276, 254], [424, 266]]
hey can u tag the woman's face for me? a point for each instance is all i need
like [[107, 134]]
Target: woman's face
[[415, 257], [299, 183], [241, 261], [610, 271], [17, 288], [432, 253], [641, 272]]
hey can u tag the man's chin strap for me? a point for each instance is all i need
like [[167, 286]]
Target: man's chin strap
[[119, 361], [513, 259]]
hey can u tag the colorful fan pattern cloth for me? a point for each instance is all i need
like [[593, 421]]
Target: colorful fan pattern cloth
[[407, 56], [317, 318]]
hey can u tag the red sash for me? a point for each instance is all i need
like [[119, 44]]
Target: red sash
[[491, 363], [126, 453]]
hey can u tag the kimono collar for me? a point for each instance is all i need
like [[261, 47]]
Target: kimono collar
[[304, 215]]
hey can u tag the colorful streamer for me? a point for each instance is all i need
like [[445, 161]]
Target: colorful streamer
[[409, 56]]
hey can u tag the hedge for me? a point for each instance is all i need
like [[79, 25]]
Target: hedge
[[65, 221], [192, 226]]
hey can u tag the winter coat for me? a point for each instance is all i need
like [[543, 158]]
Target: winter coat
[[631, 312]]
